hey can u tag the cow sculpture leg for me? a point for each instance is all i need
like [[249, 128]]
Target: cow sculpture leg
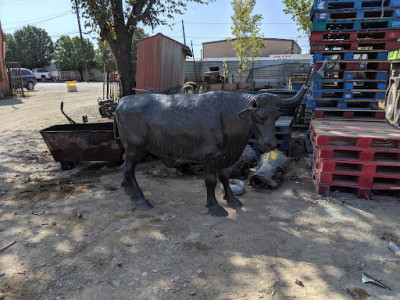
[[130, 184], [229, 195], [215, 209]]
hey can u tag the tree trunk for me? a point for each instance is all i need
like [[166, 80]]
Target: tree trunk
[[122, 51], [81, 72], [125, 70]]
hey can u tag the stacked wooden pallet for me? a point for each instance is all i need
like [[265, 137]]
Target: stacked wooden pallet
[[362, 158], [350, 41], [354, 150]]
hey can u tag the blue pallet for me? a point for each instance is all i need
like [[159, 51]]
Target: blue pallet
[[284, 125], [341, 104], [350, 14], [296, 87], [348, 94], [349, 85], [346, 25], [283, 146], [351, 56], [284, 138], [380, 75], [352, 4]]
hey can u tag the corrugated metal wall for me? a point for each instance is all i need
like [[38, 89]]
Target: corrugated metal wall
[[4, 82], [224, 48], [160, 63], [274, 73]]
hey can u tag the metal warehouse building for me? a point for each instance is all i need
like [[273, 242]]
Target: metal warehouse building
[[220, 49]]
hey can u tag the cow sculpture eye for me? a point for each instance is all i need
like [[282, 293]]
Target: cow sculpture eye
[[259, 119]]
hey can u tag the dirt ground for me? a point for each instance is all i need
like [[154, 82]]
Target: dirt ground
[[78, 236]]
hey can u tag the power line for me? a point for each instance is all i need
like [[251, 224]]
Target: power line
[[221, 23], [38, 19], [18, 2], [38, 22]]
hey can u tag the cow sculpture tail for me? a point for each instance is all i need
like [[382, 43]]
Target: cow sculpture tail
[[115, 128]]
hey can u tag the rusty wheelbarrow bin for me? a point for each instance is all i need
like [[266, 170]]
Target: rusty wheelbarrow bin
[[73, 143]]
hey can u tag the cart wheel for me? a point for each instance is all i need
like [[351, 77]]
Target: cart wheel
[[67, 165]]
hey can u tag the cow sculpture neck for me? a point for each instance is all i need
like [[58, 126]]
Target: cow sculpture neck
[[212, 129]]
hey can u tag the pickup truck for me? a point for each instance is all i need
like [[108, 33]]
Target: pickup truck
[[41, 74]]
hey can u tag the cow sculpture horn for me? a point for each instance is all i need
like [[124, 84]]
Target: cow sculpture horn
[[295, 99]]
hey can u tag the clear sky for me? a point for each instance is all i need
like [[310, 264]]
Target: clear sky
[[203, 23]]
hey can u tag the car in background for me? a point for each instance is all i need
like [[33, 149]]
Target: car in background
[[27, 76], [41, 74]]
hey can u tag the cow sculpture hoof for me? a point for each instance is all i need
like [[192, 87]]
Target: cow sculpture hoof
[[233, 202], [218, 211], [143, 204]]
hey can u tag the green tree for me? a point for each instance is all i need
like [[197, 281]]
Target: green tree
[[117, 21], [11, 48], [31, 47], [103, 54], [248, 39], [68, 54], [137, 36], [300, 11]]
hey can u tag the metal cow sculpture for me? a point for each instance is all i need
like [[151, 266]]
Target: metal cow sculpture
[[212, 129]]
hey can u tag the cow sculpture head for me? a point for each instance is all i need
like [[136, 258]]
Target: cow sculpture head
[[262, 113]]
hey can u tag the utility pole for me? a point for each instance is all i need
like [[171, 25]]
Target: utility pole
[[184, 36], [82, 44]]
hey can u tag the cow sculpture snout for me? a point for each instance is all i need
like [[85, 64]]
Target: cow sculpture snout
[[268, 146]]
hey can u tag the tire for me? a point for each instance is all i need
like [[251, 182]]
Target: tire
[[390, 102], [238, 187], [30, 86], [43, 78]]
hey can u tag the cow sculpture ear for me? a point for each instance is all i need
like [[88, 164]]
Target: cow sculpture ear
[[244, 112]]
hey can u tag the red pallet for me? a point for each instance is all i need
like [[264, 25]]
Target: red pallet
[[354, 154], [348, 65], [372, 169], [364, 36], [355, 135], [371, 115], [372, 182], [353, 45], [359, 192]]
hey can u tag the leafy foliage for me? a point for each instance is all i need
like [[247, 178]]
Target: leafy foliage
[[137, 36], [103, 52], [117, 22], [30, 46], [68, 54], [11, 48], [248, 39], [300, 11]]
